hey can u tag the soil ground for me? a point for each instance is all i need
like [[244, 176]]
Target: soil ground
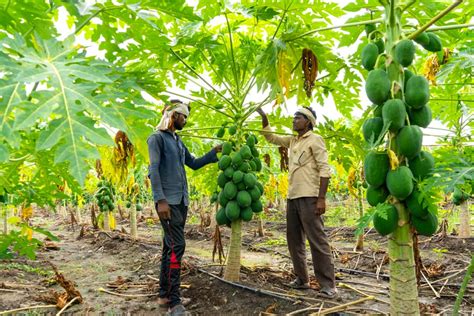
[[97, 262]]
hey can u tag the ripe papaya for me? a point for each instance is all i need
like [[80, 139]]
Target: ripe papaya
[[376, 195], [421, 117], [372, 128], [422, 39], [416, 204], [377, 86], [400, 182], [409, 141], [394, 113], [376, 166], [404, 52], [385, 222], [425, 226], [369, 56], [422, 165], [417, 92], [434, 44]]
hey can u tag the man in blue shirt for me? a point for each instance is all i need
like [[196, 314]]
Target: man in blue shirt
[[168, 155]]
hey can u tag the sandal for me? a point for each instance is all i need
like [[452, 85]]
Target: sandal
[[328, 292], [298, 284], [163, 304]]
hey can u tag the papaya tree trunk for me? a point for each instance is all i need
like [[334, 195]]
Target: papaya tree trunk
[[232, 269], [464, 220], [360, 239], [78, 215], [403, 284], [260, 230], [133, 222], [106, 221]]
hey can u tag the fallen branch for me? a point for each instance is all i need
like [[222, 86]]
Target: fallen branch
[[342, 307], [68, 304], [312, 307], [363, 293], [126, 295], [26, 308], [432, 288], [13, 291]]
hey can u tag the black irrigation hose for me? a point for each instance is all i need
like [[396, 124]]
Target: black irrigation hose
[[244, 287]]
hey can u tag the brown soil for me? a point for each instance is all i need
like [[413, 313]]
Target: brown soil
[[114, 262]]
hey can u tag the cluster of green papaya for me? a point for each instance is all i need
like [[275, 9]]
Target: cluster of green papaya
[[459, 196], [403, 115], [240, 192], [138, 205], [231, 130], [105, 196]]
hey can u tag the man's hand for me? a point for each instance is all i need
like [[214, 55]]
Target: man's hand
[[218, 148], [264, 117], [320, 206], [163, 209]]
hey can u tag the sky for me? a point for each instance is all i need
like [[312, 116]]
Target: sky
[[329, 108]]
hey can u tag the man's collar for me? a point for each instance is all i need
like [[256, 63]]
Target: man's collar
[[305, 134]]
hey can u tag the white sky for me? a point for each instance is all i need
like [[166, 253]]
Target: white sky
[[329, 108]]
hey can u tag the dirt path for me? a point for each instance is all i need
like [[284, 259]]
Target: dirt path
[[114, 262]]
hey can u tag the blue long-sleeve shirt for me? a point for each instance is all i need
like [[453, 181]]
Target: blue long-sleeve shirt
[[168, 155]]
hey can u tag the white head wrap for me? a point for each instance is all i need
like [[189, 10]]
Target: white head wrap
[[308, 114], [168, 113]]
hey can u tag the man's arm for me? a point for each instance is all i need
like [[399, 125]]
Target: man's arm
[[320, 155], [196, 163], [154, 152], [269, 136], [323, 188]]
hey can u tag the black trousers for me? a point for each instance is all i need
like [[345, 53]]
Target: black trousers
[[173, 250]]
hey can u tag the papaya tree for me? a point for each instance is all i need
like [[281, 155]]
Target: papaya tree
[[395, 171]]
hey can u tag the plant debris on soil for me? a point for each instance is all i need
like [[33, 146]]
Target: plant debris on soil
[[109, 272]]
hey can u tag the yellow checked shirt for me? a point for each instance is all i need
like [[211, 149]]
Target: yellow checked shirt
[[308, 161]]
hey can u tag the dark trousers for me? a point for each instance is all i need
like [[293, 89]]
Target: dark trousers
[[301, 223], [173, 250]]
